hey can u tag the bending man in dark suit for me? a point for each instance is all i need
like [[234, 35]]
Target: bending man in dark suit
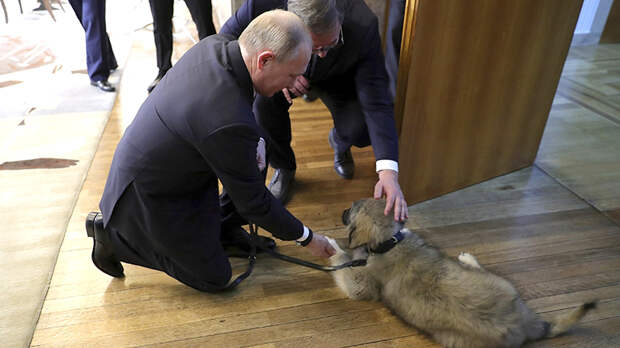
[[160, 205], [347, 72]]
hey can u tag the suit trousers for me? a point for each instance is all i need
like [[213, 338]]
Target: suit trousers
[[166, 251], [338, 95], [162, 10], [393, 40], [99, 55]]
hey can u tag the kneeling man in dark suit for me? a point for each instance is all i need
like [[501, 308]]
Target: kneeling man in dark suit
[[160, 207]]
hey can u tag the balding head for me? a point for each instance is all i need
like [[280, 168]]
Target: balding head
[[278, 31], [276, 48]]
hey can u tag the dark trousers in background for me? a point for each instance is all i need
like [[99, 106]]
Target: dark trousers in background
[[99, 55], [339, 95], [162, 11], [393, 40]]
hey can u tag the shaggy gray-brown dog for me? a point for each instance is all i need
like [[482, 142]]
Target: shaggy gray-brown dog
[[457, 302]]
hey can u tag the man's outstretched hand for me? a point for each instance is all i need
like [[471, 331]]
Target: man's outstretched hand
[[388, 186], [320, 246]]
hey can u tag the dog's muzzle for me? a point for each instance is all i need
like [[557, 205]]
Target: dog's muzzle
[[345, 216]]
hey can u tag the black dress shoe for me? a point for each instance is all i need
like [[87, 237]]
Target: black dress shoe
[[103, 85], [103, 256], [237, 237], [343, 161], [281, 184], [153, 84]]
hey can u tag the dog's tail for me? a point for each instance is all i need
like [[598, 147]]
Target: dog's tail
[[563, 323]]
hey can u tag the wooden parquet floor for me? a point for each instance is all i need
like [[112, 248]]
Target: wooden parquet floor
[[558, 248]]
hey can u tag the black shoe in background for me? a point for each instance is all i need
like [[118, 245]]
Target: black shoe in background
[[155, 82], [103, 85], [343, 161]]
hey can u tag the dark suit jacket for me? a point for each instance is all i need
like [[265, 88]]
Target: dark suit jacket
[[360, 59], [196, 126]]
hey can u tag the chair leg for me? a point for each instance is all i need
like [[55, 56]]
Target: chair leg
[[48, 7], [21, 10], [6, 15], [59, 3]]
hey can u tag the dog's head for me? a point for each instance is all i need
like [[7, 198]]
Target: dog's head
[[367, 224]]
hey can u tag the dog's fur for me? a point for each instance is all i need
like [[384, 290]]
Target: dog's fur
[[457, 302]]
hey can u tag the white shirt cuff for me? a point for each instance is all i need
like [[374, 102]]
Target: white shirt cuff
[[305, 235], [387, 164]]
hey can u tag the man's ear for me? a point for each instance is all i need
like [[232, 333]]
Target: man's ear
[[264, 59]]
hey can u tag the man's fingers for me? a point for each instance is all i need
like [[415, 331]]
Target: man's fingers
[[303, 82], [300, 90], [287, 96], [329, 250], [397, 211], [389, 204], [378, 190], [403, 210]]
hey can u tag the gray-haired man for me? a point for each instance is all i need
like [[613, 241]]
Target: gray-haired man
[[160, 205], [347, 71]]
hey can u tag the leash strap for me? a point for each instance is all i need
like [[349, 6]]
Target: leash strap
[[354, 263], [252, 260]]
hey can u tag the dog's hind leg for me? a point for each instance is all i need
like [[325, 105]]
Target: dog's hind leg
[[469, 259]]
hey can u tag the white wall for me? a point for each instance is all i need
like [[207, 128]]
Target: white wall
[[586, 17], [591, 21]]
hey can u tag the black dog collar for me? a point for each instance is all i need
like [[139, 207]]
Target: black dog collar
[[387, 245]]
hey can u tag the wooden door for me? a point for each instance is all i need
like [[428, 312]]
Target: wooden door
[[476, 83]]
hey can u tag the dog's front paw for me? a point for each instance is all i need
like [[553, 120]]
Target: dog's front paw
[[468, 259], [335, 245], [360, 253]]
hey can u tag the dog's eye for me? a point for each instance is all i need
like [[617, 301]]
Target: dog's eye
[[351, 230]]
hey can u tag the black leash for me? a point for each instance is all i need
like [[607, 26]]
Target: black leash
[[252, 260]]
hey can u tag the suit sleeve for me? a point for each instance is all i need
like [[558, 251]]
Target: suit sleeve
[[239, 20], [231, 153], [372, 86]]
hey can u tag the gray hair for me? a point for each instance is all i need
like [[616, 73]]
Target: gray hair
[[320, 16], [280, 31]]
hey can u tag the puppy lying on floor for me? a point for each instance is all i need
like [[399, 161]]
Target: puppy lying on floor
[[459, 303]]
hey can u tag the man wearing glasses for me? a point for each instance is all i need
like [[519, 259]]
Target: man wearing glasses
[[351, 80]]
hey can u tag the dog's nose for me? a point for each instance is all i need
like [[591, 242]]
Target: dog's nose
[[345, 216]]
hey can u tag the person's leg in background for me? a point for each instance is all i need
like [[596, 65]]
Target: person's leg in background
[[393, 39], [273, 116], [162, 11], [349, 123], [99, 55], [202, 15]]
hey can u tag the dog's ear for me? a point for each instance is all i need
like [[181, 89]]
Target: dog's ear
[[358, 235]]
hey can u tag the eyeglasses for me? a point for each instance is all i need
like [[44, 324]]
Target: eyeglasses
[[324, 49]]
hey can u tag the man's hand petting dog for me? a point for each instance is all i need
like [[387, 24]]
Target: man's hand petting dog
[[320, 246]]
